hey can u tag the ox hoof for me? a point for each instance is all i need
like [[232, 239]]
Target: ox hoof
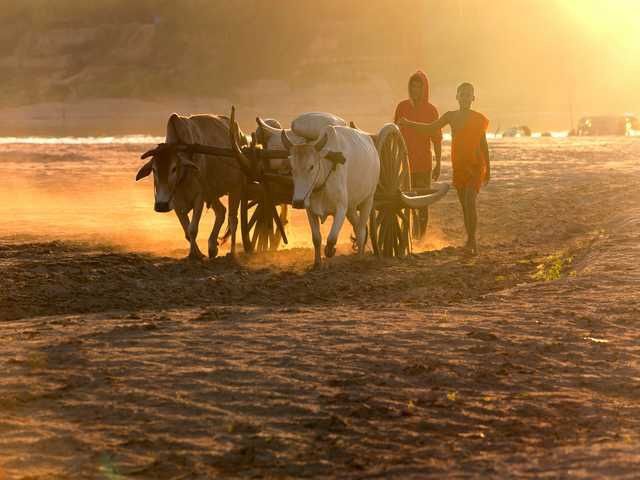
[[213, 252], [329, 250], [354, 244], [231, 254], [196, 256]]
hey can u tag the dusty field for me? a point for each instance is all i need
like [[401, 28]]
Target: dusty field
[[122, 360]]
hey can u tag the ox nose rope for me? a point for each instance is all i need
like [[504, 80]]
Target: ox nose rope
[[311, 188], [181, 176], [321, 186]]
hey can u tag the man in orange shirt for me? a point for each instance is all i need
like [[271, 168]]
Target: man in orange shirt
[[469, 154], [418, 109]]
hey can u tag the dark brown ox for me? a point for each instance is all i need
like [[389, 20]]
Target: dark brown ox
[[185, 181]]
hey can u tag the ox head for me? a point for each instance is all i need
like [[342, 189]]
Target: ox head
[[268, 133], [308, 166], [169, 163]]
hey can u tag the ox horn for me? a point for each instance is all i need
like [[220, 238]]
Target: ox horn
[[154, 151], [285, 140], [267, 128], [233, 137], [319, 145], [422, 201]]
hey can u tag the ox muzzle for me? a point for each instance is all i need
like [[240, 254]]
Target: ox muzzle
[[162, 207]]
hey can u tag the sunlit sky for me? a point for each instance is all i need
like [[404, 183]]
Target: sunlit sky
[[544, 58]]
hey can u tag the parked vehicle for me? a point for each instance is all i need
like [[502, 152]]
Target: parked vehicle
[[519, 131], [607, 125]]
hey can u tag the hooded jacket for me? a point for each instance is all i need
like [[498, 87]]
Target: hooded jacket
[[419, 144]]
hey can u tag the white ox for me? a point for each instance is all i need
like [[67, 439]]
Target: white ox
[[335, 175]]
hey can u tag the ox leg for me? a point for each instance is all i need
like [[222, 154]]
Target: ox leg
[[332, 238], [234, 204], [359, 222], [314, 223], [195, 252], [220, 211], [361, 228], [184, 221], [354, 220]]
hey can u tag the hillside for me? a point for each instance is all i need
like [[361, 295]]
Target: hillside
[[68, 50], [70, 67]]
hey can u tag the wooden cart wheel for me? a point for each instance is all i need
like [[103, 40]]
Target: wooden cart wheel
[[257, 222], [390, 222]]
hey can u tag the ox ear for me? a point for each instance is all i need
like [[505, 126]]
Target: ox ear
[[335, 157], [145, 170]]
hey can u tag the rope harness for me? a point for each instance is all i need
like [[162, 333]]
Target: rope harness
[[181, 176], [324, 182], [335, 159]]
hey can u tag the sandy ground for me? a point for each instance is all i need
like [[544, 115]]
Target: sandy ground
[[122, 360]]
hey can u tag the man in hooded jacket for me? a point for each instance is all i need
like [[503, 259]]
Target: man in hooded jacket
[[417, 108]]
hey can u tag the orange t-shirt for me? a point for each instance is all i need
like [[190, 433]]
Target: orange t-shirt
[[418, 143], [467, 158]]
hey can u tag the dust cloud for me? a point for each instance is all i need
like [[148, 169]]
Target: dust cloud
[[87, 193]]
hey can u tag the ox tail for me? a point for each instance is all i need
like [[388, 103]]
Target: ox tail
[[354, 240]]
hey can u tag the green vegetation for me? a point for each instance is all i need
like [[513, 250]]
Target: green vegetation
[[552, 267]]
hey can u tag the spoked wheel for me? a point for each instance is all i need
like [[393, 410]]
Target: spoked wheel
[[390, 221], [258, 223]]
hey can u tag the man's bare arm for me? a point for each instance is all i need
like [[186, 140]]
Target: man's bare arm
[[428, 128], [485, 151], [437, 148]]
